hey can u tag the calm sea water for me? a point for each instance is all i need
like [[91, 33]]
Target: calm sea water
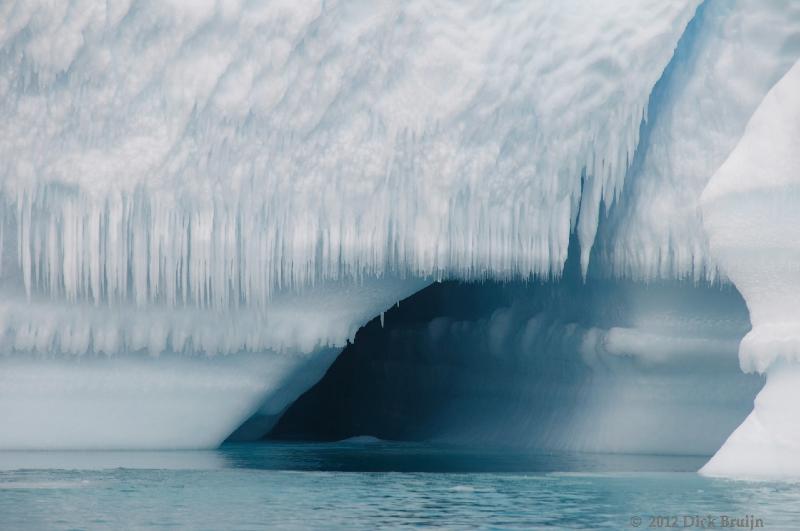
[[369, 485]]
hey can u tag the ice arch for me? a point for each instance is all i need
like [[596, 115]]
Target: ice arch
[[186, 187], [241, 186]]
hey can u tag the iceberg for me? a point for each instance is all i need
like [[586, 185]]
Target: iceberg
[[751, 214], [201, 203]]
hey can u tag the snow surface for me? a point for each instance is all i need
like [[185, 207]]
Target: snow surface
[[752, 217], [753, 221]]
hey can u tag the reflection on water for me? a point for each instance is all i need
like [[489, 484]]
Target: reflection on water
[[357, 455], [94, 460], [419, 457], [366, 484]]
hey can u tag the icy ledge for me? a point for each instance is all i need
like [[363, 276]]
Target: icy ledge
[[71, 380], [751, 213]]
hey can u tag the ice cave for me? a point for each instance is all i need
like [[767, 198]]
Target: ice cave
[[570, 225]]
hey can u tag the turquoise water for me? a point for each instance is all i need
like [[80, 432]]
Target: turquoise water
[[373, 485]]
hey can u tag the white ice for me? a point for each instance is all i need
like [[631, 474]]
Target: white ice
[[196, 184], [79, 376], [157, 152], [724, 66], [223, 179], [751, 213]]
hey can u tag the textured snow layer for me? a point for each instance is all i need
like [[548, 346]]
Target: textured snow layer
[[730, 56], [209, 154], [326, 315]]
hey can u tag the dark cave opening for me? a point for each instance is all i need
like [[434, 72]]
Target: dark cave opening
[[597, 365]]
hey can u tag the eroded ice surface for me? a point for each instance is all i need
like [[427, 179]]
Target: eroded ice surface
[[83, 376], [222, 181], [207, 155], [753, 220], [725, 64], [195, 178]]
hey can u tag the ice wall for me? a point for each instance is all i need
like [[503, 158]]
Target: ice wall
[[160, 152], [725, 63], [133, 402], [76, 376], [751, 213]]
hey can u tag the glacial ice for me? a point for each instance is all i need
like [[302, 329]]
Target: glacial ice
[[229, 190], [752, 217], [725, 64], [76, 376], [188, 178], [206, 155]]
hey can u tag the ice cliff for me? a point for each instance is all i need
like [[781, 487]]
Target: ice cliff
[[752, 214], [203, 201]]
